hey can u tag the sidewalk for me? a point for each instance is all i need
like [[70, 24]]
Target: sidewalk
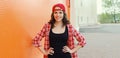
[[91, 26], [102, 41], [98, 25], [100, 45]]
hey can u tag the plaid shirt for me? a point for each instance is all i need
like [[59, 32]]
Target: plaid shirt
[[72, 32]]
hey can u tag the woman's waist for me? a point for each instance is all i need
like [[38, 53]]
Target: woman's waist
[[58, 50]]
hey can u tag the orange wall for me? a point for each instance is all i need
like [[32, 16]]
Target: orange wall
[[20, 20]]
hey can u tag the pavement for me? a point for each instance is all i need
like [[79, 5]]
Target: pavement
[[102, 41]]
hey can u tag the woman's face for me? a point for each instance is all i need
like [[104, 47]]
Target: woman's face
[[58, 14]]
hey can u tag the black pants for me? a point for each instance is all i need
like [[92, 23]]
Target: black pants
[[60, 55]]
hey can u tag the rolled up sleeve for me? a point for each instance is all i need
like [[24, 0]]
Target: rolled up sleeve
[[79, 37], [38, 37]]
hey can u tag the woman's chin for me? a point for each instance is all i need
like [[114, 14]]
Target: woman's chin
[[58, 20]]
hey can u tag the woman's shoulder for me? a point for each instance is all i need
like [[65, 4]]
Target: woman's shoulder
[[47, 24], [69, 25]]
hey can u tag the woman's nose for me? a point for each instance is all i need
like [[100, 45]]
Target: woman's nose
[[58, 14]]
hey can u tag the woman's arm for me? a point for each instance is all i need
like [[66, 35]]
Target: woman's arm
[[38, 38], [67, 49], [49, 51], [80, 38], [75, 49]]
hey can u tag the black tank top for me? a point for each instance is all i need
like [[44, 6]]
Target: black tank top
[[57, 41]]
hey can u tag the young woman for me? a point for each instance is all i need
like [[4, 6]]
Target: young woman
[[59, 36]]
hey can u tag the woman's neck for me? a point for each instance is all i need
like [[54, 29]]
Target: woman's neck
[[58, 24]]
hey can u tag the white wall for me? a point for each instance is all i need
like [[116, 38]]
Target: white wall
[[83, 12]]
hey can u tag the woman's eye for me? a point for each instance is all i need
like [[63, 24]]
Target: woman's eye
[[60, 12], [55, 12]]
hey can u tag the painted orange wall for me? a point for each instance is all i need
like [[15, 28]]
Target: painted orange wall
[[20, 20]]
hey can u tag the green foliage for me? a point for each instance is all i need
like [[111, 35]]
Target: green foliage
[[105, 18], [107, 3], [112, 11], [111, 6], [108, 18]]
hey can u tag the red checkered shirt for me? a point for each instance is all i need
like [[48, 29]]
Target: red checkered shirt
[[72, 32]]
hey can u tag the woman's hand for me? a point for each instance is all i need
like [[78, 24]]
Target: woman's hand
[[66, 49], [50, 51]]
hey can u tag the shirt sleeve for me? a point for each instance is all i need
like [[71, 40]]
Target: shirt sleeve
[[39, 36], [79, 37]]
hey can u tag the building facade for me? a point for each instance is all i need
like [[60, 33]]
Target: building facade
[[83, 12]]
